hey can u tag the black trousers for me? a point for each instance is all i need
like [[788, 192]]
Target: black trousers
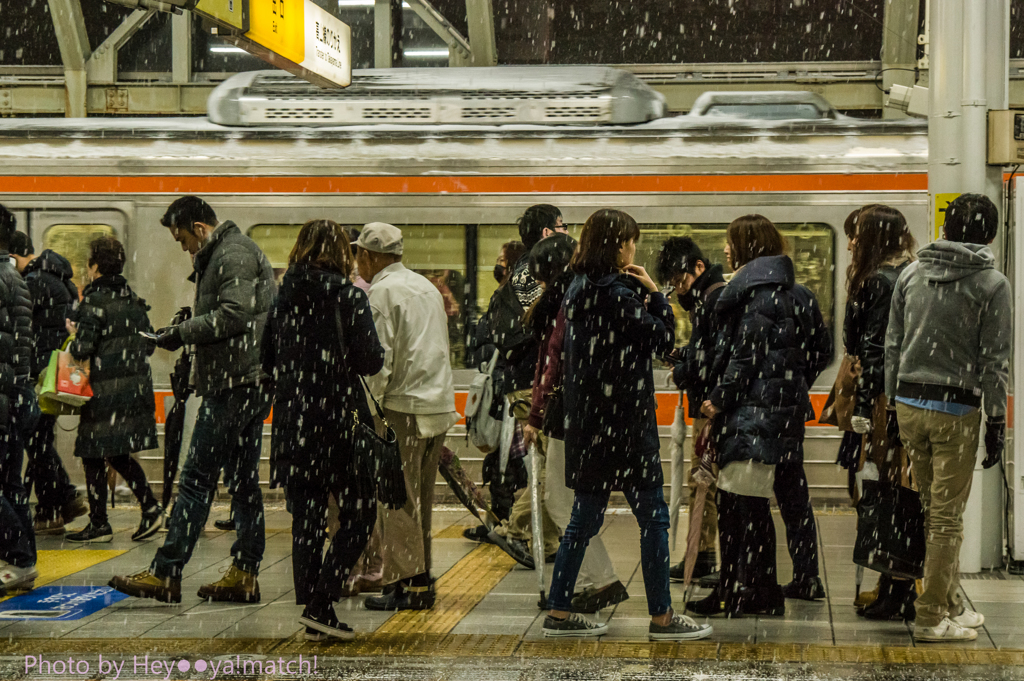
[[96, 483], [793, 497], [315, 572], [46, 471], [746, 535]]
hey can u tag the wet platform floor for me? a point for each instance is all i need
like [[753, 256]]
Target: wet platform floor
[[486, 621]]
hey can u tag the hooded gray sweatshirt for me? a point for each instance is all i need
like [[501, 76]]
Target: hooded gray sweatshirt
[[950, 329]]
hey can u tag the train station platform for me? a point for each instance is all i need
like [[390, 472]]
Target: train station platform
[[486, 613]]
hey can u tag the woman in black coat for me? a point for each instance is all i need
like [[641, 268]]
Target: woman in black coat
[[318, 343], [882, 247], [119, 419], [772, 346], [617, 321]]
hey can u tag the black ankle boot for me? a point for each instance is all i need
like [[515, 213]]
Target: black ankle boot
[[706, 607], [893, 604], [769, 601], [884, 590]]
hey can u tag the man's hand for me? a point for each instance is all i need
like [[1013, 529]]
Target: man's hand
[[169, 339], [995, 441], [709, 410], [529, 435], [892, 426], [861, 425]]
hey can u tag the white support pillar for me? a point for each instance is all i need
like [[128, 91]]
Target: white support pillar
[[181, 47], [1015, 458], [480, 17], [382, 34], [73, 42]]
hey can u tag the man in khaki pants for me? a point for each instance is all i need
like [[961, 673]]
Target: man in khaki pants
[[947, 353]]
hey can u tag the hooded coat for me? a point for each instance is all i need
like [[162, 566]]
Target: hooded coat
[[611, 427], [54, 297], [303, 351], [120, 417], [773, 345], [692, 372], [955, 300], [16, 345]]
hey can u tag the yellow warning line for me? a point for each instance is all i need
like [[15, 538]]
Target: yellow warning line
[[54, 565], [458, 591]]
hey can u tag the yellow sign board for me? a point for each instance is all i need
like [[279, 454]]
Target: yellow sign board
[[942, 202], [233, 13], [279, 26]]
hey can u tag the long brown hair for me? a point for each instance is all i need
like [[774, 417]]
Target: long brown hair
[[602, 237], [753, 236], [881, 234], [323, 243]]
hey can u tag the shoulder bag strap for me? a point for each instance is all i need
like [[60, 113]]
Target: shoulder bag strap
[[344, 365]]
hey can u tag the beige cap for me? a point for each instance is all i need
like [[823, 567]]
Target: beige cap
[[380, 237]]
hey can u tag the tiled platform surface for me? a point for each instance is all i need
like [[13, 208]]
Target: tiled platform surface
[[491, 608]]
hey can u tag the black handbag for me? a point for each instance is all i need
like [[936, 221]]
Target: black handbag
[[890, 530], [376, 456], [554, 415]]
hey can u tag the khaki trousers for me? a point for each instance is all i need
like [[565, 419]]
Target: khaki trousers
[[520, 519], [405, 533], [942, 449], [709, 523]]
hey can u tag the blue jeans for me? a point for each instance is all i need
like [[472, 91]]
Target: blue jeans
[[17, 537], [229, 431], [651, 513]]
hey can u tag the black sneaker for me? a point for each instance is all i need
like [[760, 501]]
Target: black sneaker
[[573, 626], [477, 534], [705, 566], [403, 598], [681, 628], [226, 525], [152, 521], [591, 600], [807, 589], [320, 626], [91, 534], [516, 548]]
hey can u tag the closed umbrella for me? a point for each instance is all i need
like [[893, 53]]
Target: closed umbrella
[[705, 449], [174, 423], [537, 522], [677, 488]]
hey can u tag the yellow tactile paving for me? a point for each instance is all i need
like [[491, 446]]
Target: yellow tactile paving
[[452, 532], [54, 565], [458, 591]]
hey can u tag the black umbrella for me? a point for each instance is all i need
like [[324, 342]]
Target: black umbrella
[[174, 424]]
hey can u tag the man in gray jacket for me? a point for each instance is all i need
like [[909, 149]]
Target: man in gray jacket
[[234, 292], [947, 353]]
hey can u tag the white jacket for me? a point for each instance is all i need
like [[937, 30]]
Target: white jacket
[[408, 312]]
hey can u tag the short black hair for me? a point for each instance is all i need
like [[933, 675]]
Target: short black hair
[[551, 257], [535, 220], [678, 255], [972, 219], [187, 211], [107, 254], [8, 225], [21, 244]]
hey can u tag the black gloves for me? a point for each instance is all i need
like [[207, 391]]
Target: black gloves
[[169, 338], [892, 427], [995, 440]]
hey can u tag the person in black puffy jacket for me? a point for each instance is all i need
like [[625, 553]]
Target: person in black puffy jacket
[[18, 415], [54, 299], [773, 345]]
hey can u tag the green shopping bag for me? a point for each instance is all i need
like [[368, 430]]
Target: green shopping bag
[[50, 401]]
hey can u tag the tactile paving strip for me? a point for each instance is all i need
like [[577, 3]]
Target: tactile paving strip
[[452, 532], [54, 565]]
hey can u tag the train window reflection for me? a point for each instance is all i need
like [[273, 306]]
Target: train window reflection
[[438, 252], [72, 242], [810, 245]]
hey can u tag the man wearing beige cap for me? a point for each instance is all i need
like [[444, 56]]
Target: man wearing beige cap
[[416, 392]]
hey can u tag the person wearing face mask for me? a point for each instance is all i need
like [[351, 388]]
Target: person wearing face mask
[[698, 284]]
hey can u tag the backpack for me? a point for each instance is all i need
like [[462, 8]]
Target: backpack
[[482, 428]]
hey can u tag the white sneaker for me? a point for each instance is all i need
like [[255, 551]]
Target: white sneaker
[[948, 630], [970, 619], [12, 578]]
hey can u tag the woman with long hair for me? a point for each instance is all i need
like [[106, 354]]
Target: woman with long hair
[[882, 247], [319, 340], [616, 322], [773, 345]]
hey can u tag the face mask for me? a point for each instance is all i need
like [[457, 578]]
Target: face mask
[[499, 273]]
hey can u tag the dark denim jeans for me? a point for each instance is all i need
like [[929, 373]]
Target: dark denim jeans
[[229, 431], [651, 513], [17, 538], [46, 471]]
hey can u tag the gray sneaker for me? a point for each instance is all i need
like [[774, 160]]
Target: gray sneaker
[[681, 628], [573, 626]]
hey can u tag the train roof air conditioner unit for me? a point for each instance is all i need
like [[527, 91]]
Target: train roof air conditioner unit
[[538, 95]]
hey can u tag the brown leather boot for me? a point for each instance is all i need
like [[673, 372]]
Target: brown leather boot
[[147, 585], [236, 586]]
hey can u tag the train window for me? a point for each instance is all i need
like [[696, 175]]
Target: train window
[[438, 252], [490, 239], [72, 242], [810, 245]]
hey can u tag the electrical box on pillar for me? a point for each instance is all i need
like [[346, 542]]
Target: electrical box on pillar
[[1005, 137]]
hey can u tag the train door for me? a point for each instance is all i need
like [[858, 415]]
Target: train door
[[68, 231]]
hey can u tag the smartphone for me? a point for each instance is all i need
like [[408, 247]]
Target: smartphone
[[148, 336]]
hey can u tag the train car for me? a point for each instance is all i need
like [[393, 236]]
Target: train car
[[454, 166]]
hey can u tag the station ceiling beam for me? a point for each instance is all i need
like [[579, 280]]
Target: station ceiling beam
[[73, 42], [102, 64]]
